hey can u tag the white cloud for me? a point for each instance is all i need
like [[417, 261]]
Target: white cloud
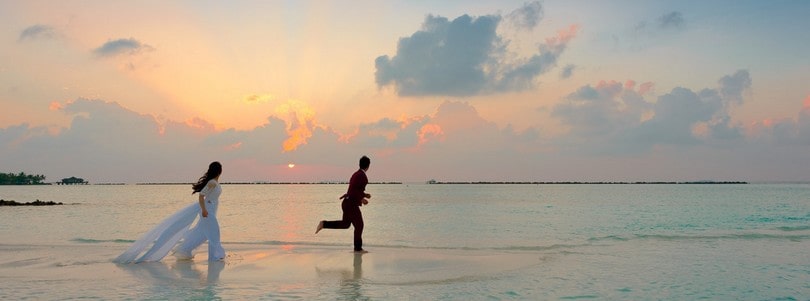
[[787, 131], [567, 71], [616, 133], [38, 31], [527, 16], [733, 86], [606, 109], [616, 118], [668, 21], [444, 58], [116, 47], [466, 56], [671, 20]]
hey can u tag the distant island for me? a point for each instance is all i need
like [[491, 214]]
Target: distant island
[[21, 179], [34, 203], [576, 182], [26, 179]]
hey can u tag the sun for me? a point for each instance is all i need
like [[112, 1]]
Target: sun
[[291, 165]]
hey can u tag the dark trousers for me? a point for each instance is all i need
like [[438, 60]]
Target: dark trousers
[[351, 216]]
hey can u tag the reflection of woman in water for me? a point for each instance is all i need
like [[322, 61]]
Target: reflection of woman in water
[[176, 227], [179, 281]]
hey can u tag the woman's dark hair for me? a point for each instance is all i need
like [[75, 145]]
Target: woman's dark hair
[[365, 162], [214, 170]]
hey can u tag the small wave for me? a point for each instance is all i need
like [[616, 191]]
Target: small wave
[[319, 244], [299, 243], [795, 233], [284, 243], [540, 248], [96, 241], [743, 236], [445, 281], [579, 297], [608, 238], [23, 262], [778, 219], [794, 228], [396, 246], [78, 263], [740, 236]]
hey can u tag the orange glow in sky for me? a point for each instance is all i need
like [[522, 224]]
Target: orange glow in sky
[[546, 84]]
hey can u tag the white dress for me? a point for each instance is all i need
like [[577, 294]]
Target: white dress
[[162, 239]]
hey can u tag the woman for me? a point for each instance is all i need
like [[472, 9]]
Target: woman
[[166, 234]]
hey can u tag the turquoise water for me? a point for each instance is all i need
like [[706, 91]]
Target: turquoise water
[[513, 242]]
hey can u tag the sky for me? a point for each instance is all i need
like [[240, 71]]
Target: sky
[[280, 91]]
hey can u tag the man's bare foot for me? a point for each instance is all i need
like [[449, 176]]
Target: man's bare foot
[[320, 227], [360, 251]]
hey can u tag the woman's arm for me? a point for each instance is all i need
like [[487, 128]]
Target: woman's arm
[[202, 206], [208, 187]]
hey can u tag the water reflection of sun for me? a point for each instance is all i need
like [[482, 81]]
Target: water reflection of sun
[[291, 165]]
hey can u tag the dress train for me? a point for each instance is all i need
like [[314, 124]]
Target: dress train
[[162, 238]]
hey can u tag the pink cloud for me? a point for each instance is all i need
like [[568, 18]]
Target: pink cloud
[[234, 146], [430, 132], [198, 123], [563, 36], [300, 120], [55, 106], [629, 84], [611, 88], [645, 88]]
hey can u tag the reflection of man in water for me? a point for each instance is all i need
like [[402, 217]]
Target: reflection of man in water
[[350, 288], [350, 281], [358, 267]]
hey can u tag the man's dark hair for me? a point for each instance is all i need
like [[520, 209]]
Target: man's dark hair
[[364, 162]]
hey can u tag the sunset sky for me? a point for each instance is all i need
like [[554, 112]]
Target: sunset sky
[[152, 91]]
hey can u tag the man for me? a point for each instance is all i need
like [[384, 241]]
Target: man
[[355, 197]]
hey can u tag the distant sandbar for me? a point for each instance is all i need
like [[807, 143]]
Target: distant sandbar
[[574, 182]]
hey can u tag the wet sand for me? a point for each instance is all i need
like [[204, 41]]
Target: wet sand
[[87, 271]]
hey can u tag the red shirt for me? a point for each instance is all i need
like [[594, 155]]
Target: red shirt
[[357, 187]]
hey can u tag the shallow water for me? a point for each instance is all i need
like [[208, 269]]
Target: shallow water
[[427, 242]]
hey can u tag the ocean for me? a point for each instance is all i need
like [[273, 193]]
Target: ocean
[[426, 242]]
